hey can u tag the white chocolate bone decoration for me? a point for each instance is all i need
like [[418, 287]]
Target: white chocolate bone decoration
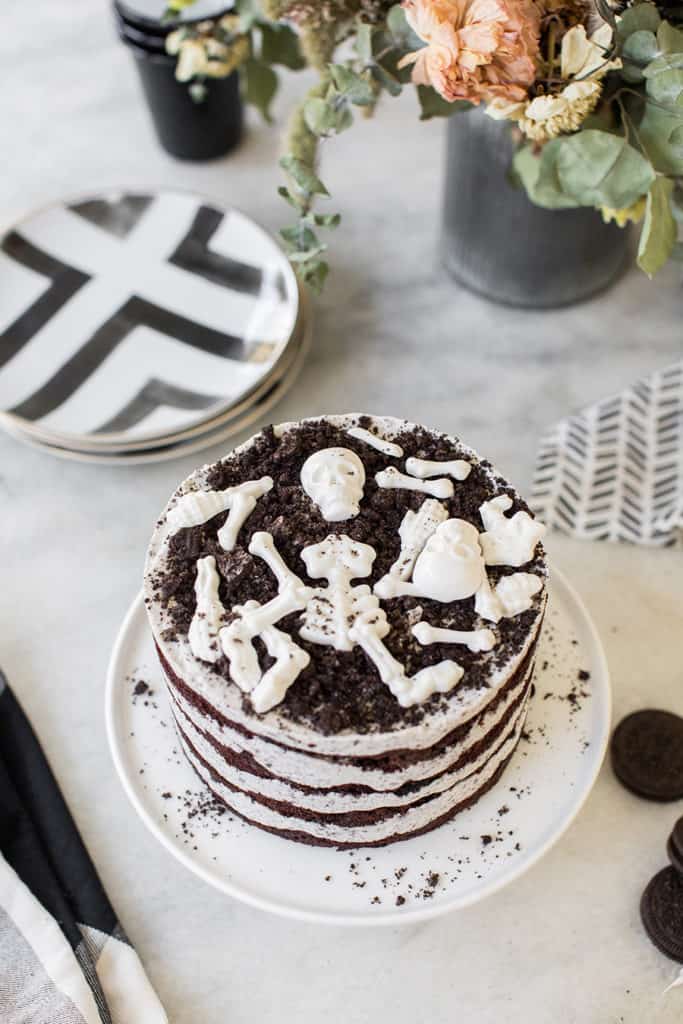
[[379, 443], [197, 507], [423, 468], [334, 478], [508, 541], [208, 615], [415, 530], [511, 595], [393, 478], [474, 639]]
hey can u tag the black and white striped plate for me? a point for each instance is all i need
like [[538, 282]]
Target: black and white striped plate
[[215, 431], [134, 318]]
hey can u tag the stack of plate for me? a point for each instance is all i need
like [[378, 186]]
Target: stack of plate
[[141, 326]]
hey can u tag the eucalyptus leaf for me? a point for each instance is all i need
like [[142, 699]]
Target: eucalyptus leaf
[[665, 62], [304, 255], [327, 220], [303, 176], [538, 176], [658, 234], [249, 13], [322, 118], [363, 42], [386, 80], [300, 238], [316, 274], [641, 47], [280, 45], [675, 141], [433, 105], [655, 131], [401, 31], [599, 169], [284, 192], [351, 85], [677, 252], [260, 85], [669, 38], [665, 87], [637, 18]]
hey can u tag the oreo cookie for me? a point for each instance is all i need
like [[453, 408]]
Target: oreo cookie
[[647, 754], [661, 911], [674, 847]]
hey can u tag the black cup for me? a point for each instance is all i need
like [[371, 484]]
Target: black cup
[[187, 129]]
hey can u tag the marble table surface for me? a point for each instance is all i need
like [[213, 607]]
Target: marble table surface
[[393, 334]]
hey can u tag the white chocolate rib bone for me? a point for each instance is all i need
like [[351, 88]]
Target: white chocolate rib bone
[[290, 660], [423, 468], [206, 621], [332, 609], [393, 478], [379, 443], [475, 639], [415, 530], [367, 632], [508, 541], [197, 507]]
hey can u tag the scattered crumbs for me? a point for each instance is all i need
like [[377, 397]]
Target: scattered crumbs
[[328, 878], [400, 900], [166, 795], [433, 879], [375, 899], [503, 810], [486, 840], [140, 687], [583, 675]]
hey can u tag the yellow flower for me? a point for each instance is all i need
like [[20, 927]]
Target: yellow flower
[[626, 215]]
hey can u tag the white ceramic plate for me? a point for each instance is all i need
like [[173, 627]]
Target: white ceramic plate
[[130, 316], [541, 791], [221, 430]]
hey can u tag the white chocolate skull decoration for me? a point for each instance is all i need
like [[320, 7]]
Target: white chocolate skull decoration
[[450, 567], [333, 478]]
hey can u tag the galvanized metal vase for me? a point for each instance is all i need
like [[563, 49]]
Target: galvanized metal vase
[[499, 244]]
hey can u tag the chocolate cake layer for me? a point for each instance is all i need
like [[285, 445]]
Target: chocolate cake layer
[[347, 612]]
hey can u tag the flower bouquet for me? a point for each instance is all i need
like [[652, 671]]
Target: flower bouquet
[[592, 94]]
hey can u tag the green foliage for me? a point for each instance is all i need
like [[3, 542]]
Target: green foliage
[[433, 105], [538, 176], [639, 18], [658, 235], [260, 85], [280, 45], [599, 169]]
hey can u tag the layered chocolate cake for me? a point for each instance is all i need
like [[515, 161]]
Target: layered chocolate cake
[[347, 611]]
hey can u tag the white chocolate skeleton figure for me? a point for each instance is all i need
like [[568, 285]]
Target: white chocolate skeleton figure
[[340, 615]]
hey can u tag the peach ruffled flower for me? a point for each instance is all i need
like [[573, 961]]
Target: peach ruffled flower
[[476, 49]]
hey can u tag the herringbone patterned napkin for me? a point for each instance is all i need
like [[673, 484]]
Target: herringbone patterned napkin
[[614, 470]]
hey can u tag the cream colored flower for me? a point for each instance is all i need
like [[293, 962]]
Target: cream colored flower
[[582, 61], [203, 54], [627, 214]]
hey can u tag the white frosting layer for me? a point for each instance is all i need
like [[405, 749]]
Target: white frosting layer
[[379, 443], [319, 773], [401, 823], [463, 703], [337, 802]]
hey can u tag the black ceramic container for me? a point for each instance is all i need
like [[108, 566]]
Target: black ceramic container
[[498, 243], [187, 129]]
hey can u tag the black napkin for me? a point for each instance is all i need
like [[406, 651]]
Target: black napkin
[[64, 958]]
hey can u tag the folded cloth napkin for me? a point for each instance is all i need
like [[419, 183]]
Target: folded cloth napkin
[[64, 958], [614, 470]]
